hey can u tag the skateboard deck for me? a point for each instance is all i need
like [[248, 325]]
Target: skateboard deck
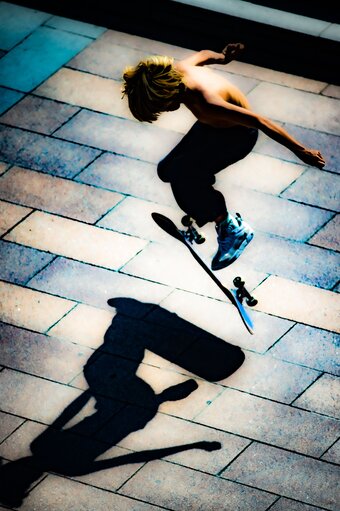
[[233, 295]]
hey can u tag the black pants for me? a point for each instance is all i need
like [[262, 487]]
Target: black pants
[[191, 166]]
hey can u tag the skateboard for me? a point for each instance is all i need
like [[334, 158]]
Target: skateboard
[[188, 237]]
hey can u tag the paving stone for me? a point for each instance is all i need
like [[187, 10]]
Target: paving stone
[[310, 347], [288, 474], [167, 485], [114, 477], [75, 26], [332, 90], [262, 173], [322, 397], [18, 444], [266, 376], [76, 88], [41, 355], [171, 264], [297, 107], [222, 320], [333, 454], [128, 176], [121, 136], [271, 214], [18, 264], [94, 286], [299, 302], [47, 154], [38, 56], [58, 492], [270, 75], [164, 431], [133, 216], [293, 260], [89, 244], [21, 392], [8, 424], [37, 114], [114, 37], [316, 188], [284, 504], [84, 325], [328, 236], [56, 195], [11, 214], [31, 309], [327, 143], [8, 98], [270, 422], [18, 22], [106, 58]]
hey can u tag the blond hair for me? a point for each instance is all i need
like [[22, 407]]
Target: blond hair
[[151, 86]]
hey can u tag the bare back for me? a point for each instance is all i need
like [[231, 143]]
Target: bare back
[[202, 82]]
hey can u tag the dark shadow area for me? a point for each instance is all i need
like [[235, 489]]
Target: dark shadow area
[[281, 49], [124, 402]]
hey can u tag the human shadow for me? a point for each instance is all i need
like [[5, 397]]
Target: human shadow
[[124, 402]]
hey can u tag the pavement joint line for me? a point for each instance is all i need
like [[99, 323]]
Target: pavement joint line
[[42, 268], [109, 211], [66, 121], [73, 178], [235, 458], [61, 318], [273, 503], [308, 386], [280, 338], [17, 223], [45, 24], [320, 229], [330, 447]]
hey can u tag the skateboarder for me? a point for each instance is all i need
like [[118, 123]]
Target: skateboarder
[[225, 132]]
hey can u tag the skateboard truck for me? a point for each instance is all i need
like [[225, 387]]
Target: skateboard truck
[[242, 292], [191, 234]]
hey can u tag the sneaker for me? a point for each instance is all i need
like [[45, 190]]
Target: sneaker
[[233, 235]]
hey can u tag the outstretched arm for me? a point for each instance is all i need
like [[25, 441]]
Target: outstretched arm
[[219, 113], [206, 57]]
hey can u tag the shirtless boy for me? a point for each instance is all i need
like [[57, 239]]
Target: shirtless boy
[[225, 132]]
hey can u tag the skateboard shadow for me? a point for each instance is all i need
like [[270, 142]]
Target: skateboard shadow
[[124, 402]]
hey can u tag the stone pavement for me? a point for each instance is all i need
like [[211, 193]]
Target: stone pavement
[[116, 405]]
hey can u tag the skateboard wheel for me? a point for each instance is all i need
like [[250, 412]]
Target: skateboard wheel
[[200, 239], [251, 301], [187, 221], [237, 282]]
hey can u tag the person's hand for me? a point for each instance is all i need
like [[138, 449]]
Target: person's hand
[[312, 157], [231, 51]]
